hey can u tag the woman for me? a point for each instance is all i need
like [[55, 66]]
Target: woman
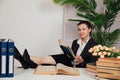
[[80, 48]]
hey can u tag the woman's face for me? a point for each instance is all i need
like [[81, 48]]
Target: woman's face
[[84, 31]]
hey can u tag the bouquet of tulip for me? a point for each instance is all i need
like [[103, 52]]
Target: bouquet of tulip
[[104, 51]]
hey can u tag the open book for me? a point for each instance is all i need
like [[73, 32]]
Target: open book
[[67, 50], [58, 69]]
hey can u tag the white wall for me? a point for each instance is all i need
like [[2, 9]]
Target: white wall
[[32, 24]]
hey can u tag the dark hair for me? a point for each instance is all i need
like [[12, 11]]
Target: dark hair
[[89, 25]]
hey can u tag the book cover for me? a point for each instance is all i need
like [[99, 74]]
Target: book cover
[[110, 76], [109, 64], [3, 57], [66, 50], [110, 68], [111, 71], [91, 70], [112, 60], [91, 65], [10, 58]]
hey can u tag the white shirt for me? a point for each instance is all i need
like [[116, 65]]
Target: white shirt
[[81, 46]]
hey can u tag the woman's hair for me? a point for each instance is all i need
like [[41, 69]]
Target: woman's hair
[[89, 25]]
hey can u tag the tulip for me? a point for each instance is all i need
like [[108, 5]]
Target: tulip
[[94, 54], [90, 50], [102, 56]]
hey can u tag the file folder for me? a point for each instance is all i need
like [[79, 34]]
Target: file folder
[[10, 58], [3, 57]]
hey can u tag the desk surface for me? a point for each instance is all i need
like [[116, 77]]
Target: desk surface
[[27, 74]]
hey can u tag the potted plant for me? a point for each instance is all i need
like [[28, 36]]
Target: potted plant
[[101, 22]]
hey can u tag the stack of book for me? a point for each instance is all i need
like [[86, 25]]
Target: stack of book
[[6, 58], [108, 68], [91, 67]]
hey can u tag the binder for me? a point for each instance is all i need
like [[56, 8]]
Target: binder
[[10, 58], [3, 57]]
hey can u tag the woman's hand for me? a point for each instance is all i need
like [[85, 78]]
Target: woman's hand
[[79, 59]]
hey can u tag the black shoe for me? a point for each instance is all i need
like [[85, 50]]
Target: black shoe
[[26, 57], [18, 56]]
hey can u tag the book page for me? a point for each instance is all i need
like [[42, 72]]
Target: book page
[[45, 70], [62, 69]]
